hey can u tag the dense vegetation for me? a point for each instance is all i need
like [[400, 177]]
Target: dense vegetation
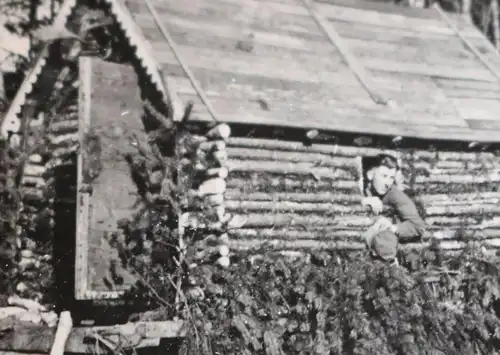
[[335, 304]]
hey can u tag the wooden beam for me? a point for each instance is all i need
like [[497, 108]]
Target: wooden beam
[[171, 43], [352, 62], [26, 337], [82, 291], [466, 42]]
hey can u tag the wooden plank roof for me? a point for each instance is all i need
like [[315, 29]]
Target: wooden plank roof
[[271, 62]]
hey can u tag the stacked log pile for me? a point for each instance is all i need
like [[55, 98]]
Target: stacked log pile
[[202, 180], [51, 141], [308, 197]]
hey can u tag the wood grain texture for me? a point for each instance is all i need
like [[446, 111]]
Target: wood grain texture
[[207, 32], [280, 41], [294, 213], [264, 15]]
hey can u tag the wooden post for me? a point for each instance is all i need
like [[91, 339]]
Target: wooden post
[[62, 334]]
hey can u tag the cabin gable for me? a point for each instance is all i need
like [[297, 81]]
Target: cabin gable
[[76, 112]]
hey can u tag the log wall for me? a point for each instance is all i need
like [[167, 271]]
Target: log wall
[[299, 197]]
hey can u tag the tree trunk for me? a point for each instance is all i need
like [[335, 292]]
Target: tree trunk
[[496, 23]]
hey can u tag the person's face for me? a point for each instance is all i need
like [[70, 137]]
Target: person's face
[[382, 179]]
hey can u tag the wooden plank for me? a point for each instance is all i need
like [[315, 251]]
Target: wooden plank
[[250, 9], [485, 47], [455, 88], [426, 98], [364, 125], [472, 94], [487, 51], [227, 52], [419, 95], [82, 198], [112, 113], [478, 109], [462, 33], [403, 37], [282, 112], [294, 105], [393, 65], [261, 15], [482, 124], [384, 7], [225, 33], [309, 69], [413, 53], [254, 87], [27, 337], [180, 59], [352, 62], [394, 21]]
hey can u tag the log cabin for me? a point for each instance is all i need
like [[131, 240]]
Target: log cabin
[[310, 91]]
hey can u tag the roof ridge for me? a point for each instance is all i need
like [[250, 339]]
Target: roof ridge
[[134, 35], [11, 121]]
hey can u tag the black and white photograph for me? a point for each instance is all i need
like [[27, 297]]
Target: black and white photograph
[[250, 177]]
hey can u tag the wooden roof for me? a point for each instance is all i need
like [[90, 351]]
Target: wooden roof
[[326, 67]]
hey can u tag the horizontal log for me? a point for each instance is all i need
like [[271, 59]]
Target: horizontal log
[[236, 244], [463, 210], [238, 195], [458, 179], [483, 165], [459, 197], [450, 202], [285, 168], [308, 244], [257, 220], [31, 169], [259, 183], [295, 157], [336, 233], [456, 156], [283, 145], [444, 221], [65, 151], [33, 181], [62, 127], [287, 234], [63, 139], [451, 188], [35, 159], [297, 207]]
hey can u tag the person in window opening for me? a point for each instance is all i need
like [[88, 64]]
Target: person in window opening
[[383, 189]]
